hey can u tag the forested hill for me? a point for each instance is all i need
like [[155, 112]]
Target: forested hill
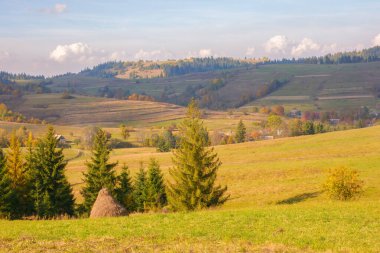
[[331, 82], [169, 68], [361, 56]]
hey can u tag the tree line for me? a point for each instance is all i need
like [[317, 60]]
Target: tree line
[[33, 183], [361, 56]]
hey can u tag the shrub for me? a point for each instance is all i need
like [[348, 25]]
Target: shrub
[[343, 184]]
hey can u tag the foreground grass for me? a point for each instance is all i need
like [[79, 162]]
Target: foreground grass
[[276, 204], [348, 227]]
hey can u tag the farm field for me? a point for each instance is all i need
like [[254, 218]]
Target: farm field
[[276, 204], [308, 86], [72, 116], [325, 87]]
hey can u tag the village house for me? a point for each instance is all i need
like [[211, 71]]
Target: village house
[[61, 139]]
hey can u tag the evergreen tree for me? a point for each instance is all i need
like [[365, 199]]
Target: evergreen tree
[[30, 168], [156, 198], [140, 191], [100, 173], [319, 128], [7, 194], [308, 127], [15, 164], [195, 168], [52, 192], [240, 132], [18, 175], [124, 191]]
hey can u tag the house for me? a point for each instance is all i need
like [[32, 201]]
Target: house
[[295, 113], [334, 121], [61, 139], [268, 137]]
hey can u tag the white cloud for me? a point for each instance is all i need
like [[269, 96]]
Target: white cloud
[[76, 51], [307, 45], [376, 40], [205, 53], [277, 44], [330, 49], [250, 51], [56, 9], [4, 55], [152, 55], [118, 55]]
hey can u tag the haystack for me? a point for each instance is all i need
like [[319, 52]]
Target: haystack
[[106, 206]]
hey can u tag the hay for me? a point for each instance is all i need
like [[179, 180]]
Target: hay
[[106, 206]]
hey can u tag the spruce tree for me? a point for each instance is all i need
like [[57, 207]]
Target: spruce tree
[[18, 175], [140, 191], [100, 173], [30, 170], [124, 191], [52, 192], [7, 194], [195, 168], [156, 194], [240, 132]]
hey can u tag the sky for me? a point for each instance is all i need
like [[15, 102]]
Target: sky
[[55, 37]]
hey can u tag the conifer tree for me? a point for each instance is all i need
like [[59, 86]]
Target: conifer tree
[[52, 192], [7, 194], [195, 168], [100, 173], [240, 132], [18, 175], [15, 163], [140, 191], [156, 194], [124, 191]]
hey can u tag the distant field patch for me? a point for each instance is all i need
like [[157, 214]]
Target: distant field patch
[[345, 97], [288, 98], [306, 76]]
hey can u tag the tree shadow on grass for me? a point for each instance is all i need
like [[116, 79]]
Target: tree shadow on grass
[[299, 198]]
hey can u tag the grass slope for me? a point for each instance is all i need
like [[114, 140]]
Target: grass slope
[[326, 87], [105, 112], [311, 86], [276, 204]]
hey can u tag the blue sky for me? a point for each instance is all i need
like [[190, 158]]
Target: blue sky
[[52, 37]]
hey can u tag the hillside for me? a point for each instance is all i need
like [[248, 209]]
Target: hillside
[[336, 82], [317, 87], [87, 110], [84, 110], [276, 204], [327, 87]]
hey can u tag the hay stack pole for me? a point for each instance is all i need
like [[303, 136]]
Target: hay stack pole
[[106, 206]]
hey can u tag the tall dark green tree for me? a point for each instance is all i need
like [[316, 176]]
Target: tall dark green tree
[[7, 194], [52, 192], [240, 132], [156, 194], [140, 192], [124, 191], [100, 172], [195, 168]]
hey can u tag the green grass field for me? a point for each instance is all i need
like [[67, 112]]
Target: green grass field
[[276, 204]]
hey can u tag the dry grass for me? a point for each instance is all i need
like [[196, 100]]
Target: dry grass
[[106, 206]]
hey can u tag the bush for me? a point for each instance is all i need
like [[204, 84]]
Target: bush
[[343, 184]]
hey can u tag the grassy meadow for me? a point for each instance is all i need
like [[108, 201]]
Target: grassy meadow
[[276, 204]]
